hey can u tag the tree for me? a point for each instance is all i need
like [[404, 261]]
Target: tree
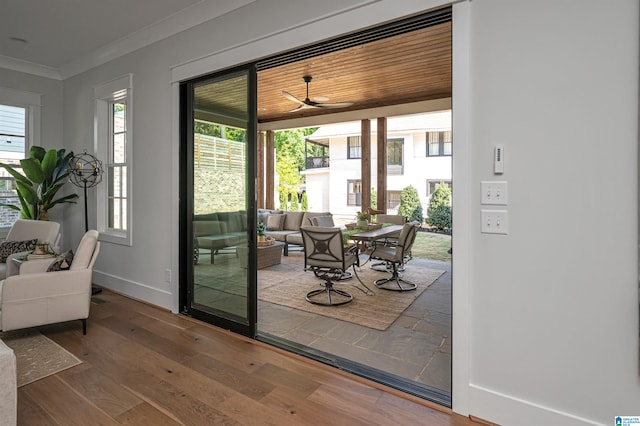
[[439, 211], [410, 206], [290, 159]]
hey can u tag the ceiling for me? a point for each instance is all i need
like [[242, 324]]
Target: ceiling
[[55, 34], [410, 67], [401, 69]]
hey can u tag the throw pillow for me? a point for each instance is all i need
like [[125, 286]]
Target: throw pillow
[[275, 222], [8, 248], [62, 262], [324, 221]]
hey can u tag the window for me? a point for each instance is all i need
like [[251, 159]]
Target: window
[[113, 118], [440, 143], [354, 192], [433, 184], [393, 199], [19, 130], [394, 156], [354, 147]]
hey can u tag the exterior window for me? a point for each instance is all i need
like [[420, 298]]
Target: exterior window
[[354, 147], [113, 119], [354, 193], [19, 130], [117, 166], [395, 156], [440, 144], [433, 184], [393, 199]]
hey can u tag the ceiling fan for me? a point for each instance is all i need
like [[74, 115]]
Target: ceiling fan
[[308, 103]]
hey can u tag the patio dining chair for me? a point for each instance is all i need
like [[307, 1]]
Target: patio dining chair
[[327, 257], [396, 256]]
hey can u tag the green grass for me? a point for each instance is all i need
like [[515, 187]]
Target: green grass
[[433, 246]]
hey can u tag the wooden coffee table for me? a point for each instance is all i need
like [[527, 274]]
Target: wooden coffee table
[[270, 255]]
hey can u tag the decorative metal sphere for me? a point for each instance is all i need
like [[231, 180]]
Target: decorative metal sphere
[[85, 170]]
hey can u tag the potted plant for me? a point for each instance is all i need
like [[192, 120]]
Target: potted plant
[[362, 219], [45, 172], [261, 228]]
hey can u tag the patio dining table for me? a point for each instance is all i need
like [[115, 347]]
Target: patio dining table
[[362, 238]]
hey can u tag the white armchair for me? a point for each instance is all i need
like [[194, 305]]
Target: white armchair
[[44, 230], [35, 297]]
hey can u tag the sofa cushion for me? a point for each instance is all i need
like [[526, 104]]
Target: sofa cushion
[[295, 238], [293, 221], [8, 248], [209, 227], [275, 222], [279, 235]]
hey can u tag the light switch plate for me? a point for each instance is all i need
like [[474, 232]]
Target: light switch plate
[[494, 192], [494, 221]]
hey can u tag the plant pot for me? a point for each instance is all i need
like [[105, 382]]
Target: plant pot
[[362, 222]]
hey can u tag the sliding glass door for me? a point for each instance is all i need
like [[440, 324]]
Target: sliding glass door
[[217, 199]]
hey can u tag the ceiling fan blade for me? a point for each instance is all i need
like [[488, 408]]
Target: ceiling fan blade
[[304, 105], [291, 97], [335, 105]]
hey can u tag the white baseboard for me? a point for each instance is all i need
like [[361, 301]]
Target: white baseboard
[[136, 290], [508, 410]]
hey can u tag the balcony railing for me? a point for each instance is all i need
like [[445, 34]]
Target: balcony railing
[[317, 162]]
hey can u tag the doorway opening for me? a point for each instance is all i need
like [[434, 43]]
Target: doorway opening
[[400, 71]]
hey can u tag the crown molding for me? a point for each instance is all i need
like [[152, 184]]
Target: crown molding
[[174, 24], [27, 67]]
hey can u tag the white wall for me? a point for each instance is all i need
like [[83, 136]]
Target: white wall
[[545, 318], [553, 310]]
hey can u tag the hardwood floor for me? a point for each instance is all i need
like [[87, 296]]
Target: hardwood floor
[[145, 366]]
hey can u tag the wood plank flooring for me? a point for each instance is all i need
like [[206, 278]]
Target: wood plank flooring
[[145, 366]]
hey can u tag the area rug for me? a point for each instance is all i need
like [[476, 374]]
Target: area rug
[[37, 356], [287, 284]]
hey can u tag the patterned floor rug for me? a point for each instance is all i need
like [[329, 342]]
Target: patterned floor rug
[[37, 356]]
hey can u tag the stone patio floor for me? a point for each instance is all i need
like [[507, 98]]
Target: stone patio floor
[[417, 346]]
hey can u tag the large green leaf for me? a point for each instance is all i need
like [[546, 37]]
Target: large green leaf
[[17, 175], [66, 199], [37, 152], [62, 166], [32, 169], [49, 164], [28, 193], [11, 206]]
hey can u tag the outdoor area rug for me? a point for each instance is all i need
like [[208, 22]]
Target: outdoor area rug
[[287, 284], [37, 356]]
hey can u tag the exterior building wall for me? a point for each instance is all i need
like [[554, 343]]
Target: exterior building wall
[[418, 168]]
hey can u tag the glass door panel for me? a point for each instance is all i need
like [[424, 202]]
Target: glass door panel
[[219, 206]]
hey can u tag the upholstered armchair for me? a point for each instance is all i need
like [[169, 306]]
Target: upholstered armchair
[[395, 256], [22, 230], [326, 255], [36, 297]]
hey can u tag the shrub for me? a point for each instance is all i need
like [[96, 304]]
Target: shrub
[[439, 212], [294, 202], [410, 206], [440, 217], [305, 202], [283, 200]]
